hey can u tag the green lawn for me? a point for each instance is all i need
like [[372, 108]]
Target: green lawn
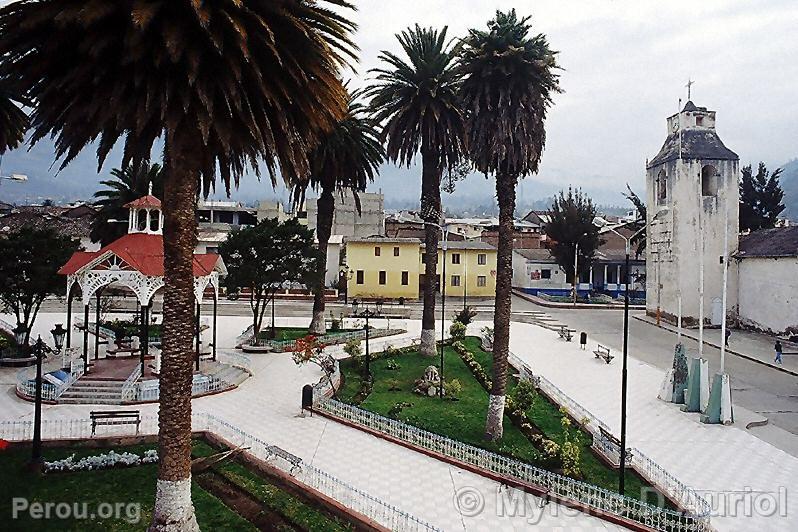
[[291, 333], [136, 485], [464, 420]]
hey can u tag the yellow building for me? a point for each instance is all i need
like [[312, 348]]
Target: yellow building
[[383, 267], [470, 268]]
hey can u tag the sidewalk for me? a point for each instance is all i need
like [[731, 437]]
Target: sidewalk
[[739, 472], [756, 347]]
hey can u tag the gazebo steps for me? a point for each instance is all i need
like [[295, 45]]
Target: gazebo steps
[[88, 400], [93, 391]]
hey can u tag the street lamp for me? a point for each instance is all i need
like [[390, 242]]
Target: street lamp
[[345, 273], [576, 264], [36, 461], [366, 313], [627, 242], [58, 339]]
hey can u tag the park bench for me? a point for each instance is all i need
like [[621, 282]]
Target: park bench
[[615, 443], [565, 333], [115, 417], [292, 459], [603, 353]]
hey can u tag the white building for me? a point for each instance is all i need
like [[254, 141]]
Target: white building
[[690, 186], [347, 221], [215, 219]]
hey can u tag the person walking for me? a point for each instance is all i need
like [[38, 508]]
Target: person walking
[[777, 347], [728, 333]]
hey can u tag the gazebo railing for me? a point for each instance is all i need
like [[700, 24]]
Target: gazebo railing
[[129, 388], [70, 363]]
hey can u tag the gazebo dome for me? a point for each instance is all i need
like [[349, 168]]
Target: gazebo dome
[[146, 215]]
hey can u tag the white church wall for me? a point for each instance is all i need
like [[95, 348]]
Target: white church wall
[[769, 298]]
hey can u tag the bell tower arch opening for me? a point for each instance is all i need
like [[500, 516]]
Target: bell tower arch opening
[[709, 181]]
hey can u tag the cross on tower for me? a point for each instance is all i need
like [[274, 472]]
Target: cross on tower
[[689, 86]]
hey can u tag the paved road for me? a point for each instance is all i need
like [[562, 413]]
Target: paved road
[[758, 388]]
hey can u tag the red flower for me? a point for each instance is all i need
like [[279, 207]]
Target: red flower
[[4, 445]]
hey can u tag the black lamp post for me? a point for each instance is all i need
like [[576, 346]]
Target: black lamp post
[[59, 333], [366, 313], [36, 461]]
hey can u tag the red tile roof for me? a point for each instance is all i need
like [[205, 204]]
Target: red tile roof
[[142, 252], [146, 202]]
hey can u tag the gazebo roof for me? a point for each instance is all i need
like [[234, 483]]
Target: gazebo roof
[[141, 252], [145, 202]]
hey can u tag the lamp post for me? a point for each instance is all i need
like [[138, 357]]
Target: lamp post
[[345, 273], [36, 452], [576, 265], [58, 340], [622, 469], [366, 313]]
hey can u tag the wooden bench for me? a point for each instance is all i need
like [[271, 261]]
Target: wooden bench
[[565, 333], [603, 353], [292, 459], [616, 444], [115, 417]]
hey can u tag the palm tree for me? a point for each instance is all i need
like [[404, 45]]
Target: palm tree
[[509, 81], [417, 101], [13, 123], [227, 83], [347, 158], [128, 184]]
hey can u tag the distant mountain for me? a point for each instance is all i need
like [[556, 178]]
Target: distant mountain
[[789, 183]]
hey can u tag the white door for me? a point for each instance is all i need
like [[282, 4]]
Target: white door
[[717, 311]]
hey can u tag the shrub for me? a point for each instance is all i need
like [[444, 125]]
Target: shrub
[[397, 409], [457, 331], [353, 349], [524, 395], [335, 324], [487, 338], [393, 365], [465, 315], [452, 389], [391, 351]]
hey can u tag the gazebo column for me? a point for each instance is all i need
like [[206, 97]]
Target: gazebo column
[[97, 326], [86, 337], [69, 318], [197, 329], [145, 336], [215, 301]]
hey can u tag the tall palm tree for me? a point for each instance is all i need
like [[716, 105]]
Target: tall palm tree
[[417, 101], [227, 83], [510, 78], [347, 158], [129, 183], [13, 122]]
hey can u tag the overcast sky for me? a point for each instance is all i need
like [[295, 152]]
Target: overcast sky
[[625, 67]]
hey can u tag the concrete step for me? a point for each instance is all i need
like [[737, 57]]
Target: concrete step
[[98, 383], [71, 392], [92, 391], [88, 400]]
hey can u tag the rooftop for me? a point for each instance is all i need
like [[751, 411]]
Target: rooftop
[[778, 242], [376, 239]]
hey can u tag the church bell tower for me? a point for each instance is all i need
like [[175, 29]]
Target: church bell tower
[[691, 192]]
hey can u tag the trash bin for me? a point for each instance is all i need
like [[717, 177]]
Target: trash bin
[[583, 339], [307, 398]]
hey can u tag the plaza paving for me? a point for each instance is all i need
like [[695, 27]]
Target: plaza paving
[[720, 460], [267, 406]]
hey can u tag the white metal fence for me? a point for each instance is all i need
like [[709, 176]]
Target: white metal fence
[[685, 496], [353, 498], [557, 485]]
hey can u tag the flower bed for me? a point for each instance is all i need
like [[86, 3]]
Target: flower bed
[[102, 461]]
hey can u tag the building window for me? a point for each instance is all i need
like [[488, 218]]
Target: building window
[[699, 120], [709, 181], [359, 278], [423, 258], [376, 251], [455, 258], [405, 278], [396, 251], [662, 188], [455, 280], [382, 276], [482, 280], [545, 274], [482, 259]]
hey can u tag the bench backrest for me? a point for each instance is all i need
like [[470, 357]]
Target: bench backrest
[[115, 413]]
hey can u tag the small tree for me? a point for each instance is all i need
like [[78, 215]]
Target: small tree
[[639, 239], [267, 256], [760, 198], [29, 263], [572, 216], [310, 350], [466, 315]]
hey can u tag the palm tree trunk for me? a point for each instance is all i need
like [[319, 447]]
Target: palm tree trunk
[[324, 221], [505, 194], [430, 212], [174, 510]]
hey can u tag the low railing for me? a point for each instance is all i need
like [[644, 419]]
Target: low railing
[[559, 486], [347, 495], [679, 492], [329, 339], [235, 359], [129, 388], [26, 378]]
